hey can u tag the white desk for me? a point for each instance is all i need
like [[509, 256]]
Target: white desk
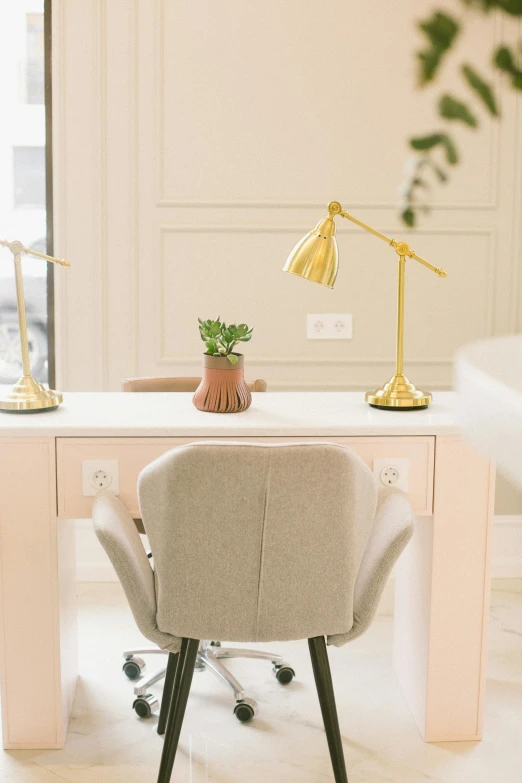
[[442, 591]]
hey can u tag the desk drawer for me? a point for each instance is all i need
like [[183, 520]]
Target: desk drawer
[[134, 453]]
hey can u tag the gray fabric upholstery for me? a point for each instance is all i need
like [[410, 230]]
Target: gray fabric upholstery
[[256, 542], [392, 529], [117, 533]]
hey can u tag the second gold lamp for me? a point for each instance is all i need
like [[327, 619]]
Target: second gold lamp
[[316, 258]]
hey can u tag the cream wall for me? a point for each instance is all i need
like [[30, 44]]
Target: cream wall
[[196, 142]]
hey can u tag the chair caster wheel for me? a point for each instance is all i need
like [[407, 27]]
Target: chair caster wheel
[[144, 706], [245, 710], [284, 674], [133, 667], [215, 644]]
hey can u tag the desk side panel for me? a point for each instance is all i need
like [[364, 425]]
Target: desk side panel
[[460, 592], [35, 705]]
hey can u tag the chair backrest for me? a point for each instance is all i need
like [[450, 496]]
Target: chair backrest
[[257, 542], [181, 384]]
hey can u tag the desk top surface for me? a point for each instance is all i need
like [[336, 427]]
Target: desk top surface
[[292, 414]]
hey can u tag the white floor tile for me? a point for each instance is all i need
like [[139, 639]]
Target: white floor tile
[[286, 743], [377, 770]]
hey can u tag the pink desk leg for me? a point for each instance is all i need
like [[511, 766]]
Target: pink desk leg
[[442, 599], [37, 598]]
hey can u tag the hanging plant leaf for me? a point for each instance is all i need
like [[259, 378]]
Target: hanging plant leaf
[[441, 30], [433, 140], [481, 88], [452, 109], [426, 142], [408, 217], [441, 174], [451, 151], [511, 7], [503, 59]]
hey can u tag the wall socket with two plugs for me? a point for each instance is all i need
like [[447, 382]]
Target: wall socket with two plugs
[[329, 326]]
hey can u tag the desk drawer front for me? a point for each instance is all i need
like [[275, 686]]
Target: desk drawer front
[[133, 454]]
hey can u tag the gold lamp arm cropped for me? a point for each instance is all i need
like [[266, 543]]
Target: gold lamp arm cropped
[[402, 248], [17, 249]]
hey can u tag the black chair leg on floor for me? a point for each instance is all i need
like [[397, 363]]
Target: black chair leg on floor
[[166, 700], [180, 693], [323, 681]]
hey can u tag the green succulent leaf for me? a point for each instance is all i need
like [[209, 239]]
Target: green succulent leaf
[[481, 88], [220, 339], [232, 358], [452, 109]]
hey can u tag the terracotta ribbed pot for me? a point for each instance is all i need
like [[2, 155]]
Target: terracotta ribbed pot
[[223, 388]]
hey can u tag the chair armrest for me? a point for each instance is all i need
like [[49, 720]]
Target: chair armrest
[[117, 533], [391, 530]]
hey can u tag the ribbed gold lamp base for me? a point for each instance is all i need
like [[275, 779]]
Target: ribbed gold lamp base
[[398, 394], [29, 396]]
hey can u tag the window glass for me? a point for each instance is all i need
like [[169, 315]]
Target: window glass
[[34, 72], [22, 182], [29, 177]]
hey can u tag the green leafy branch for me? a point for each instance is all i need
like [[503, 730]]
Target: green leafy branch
[[435, 152], [220, 339]]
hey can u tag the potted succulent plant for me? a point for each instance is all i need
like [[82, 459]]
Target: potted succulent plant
[[223, 388]]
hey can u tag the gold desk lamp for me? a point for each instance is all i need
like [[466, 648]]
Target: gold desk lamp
[[315, 257], [27, 395]]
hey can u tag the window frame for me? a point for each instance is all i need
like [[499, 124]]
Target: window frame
[[48, 92]]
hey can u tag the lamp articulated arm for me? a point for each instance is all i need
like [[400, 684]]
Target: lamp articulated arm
[[402, 248], [17, 249]]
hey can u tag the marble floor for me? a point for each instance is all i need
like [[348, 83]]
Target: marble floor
[[107, 743]]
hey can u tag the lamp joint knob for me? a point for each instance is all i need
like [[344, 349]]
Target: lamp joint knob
[[402, 248], [334, 208]]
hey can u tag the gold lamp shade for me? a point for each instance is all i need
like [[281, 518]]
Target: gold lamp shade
[[315, 257]]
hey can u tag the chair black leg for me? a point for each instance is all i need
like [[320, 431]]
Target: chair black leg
[[323, 681], [180, 693], [166, 700]]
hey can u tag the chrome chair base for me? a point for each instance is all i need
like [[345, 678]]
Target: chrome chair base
[[209, 657]]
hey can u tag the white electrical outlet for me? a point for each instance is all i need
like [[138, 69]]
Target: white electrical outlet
[[340, 326], [329, 326], [316, 327], [98, 474], [392, 471]]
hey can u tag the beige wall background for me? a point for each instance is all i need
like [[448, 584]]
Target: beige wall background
[[196, 142]]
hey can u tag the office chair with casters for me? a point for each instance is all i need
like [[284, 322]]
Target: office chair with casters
[[299, 543], [209, 652]]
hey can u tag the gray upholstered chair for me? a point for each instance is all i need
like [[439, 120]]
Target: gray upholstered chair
[[210, 653], [297, 538]]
